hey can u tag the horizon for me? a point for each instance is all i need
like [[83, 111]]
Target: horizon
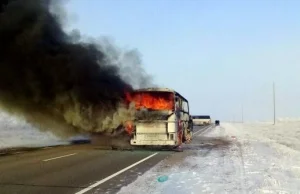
[[220, 55]]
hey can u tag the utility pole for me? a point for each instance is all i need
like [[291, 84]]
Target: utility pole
[[274, 103], [242, 114]]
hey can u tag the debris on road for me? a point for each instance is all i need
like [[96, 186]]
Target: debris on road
[[162, 178]]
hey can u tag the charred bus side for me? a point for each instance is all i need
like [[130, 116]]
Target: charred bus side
[[162, 118]]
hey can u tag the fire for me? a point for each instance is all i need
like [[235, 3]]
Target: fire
[[129, 127], [152, 100], [148, 100]]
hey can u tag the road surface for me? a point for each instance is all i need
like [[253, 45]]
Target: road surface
[[75, 169]]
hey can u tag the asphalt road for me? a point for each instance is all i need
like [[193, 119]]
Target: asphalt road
[[75, 169]]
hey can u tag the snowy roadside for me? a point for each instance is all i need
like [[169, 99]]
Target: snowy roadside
[[254, 160], [17, 133], [284, 136]]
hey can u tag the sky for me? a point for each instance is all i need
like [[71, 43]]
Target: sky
[[222, 55]]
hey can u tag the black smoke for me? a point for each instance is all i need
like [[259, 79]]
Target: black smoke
[[52, 81]]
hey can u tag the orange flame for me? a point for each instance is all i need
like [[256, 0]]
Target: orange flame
[[152, 100], [129, 127]]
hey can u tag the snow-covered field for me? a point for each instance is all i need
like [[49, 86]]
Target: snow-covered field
[[17, 133], [232, 158]]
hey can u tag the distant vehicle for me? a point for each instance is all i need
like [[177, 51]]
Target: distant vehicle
[[201, 120], [80, 139], [217, 122], [162, 118]]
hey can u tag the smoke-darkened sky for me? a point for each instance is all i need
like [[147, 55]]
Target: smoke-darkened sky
[[219, 54]]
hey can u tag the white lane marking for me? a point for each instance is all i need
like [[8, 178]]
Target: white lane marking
[[113, 175], [59, 157], [47, 148], [201, 130], [18, 152], [197, 132]]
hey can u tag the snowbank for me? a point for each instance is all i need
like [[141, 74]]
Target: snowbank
[[261, 158], [283, 136], [15, 132], [288, 120]]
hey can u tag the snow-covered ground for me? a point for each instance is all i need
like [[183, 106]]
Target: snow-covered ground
[[15, 132], [231, 158]]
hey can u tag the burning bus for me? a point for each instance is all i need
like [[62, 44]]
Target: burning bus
[[162, 118]]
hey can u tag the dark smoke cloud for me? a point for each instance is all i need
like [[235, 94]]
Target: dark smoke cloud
[[129, 62], [56, 82]]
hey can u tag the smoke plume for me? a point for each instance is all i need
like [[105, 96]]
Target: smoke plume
[[57, 82]]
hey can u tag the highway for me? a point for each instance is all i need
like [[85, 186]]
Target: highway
[[76, 169]]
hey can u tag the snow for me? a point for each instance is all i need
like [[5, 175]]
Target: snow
[[15, 132], [231, 158]]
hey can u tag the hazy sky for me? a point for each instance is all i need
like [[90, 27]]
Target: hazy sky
[[219, 54]]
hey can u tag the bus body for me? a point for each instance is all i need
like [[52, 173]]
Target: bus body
[[162, 118], [201, 120]]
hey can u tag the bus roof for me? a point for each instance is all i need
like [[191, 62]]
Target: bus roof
[[155, 90], [201, 117]]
